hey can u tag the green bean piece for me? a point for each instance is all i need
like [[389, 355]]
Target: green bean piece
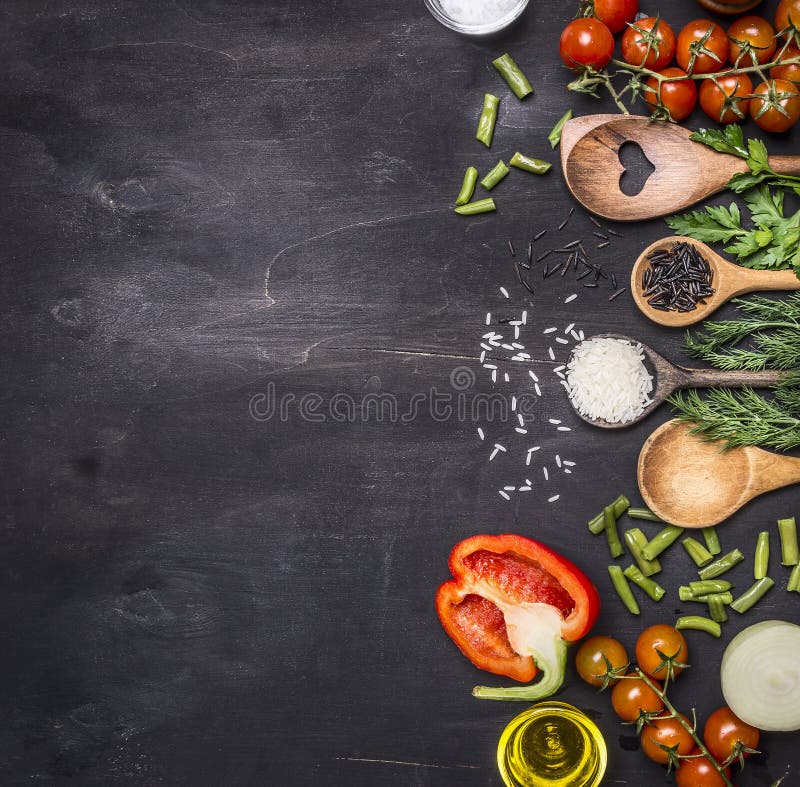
[[661, 540], [794, 580], [644, 513], [761, 560], [534, 165], [649, 586], [623, 589], [612, 534], [487, 119], [698, 623], [712, 540], [554, 137], [721, 565], [512, 74], [697, 552], [685, 594], [636, 541], [752, 595], [480, 206], [468, 186], [707, 586], [495, 175], [716, 608], [597, 523], [790, 553]]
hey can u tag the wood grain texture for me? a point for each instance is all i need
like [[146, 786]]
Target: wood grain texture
[[200, 200]]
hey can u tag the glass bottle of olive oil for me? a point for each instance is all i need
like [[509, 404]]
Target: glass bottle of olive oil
[[552, 744]]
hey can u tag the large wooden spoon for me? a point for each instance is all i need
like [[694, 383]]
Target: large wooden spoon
[[669, 377], [729, 280], [692, 483], [685, 171]]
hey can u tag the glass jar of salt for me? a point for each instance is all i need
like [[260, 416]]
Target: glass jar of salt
[[476, 17]]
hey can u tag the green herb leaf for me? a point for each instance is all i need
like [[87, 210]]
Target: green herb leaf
[[758, 158], [728, 140], [554, 137], [715, 224]]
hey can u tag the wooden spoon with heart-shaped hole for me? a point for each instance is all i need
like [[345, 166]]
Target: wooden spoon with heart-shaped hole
[[692, 483], [685, 171], [669, 377], [729, 280]]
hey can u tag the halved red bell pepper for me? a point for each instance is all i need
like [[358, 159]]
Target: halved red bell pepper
[[512, 607]]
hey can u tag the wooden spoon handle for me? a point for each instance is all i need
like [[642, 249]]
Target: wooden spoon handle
[[748, 280], [773, 470], [719, 378], [785, 165]]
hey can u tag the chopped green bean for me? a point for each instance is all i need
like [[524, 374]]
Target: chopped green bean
[[761, 561], [649, 586], [636, 541], [685, 594], [794, 579], [698, 623], [512, 74], [752, 595], [790, 553], [612, 534], [495, 175], [534, 165], [468, 186], [644, 513], [712, 540], [661, 540], [554, 137], [597, 523], [721, 565], [716, 608], [479, 206], [697, 552], [487, 119], [623, 589], [706, 586]]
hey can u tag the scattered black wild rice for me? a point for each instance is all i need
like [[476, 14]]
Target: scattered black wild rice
[[539, 235], [600, 235], [612, 232], [602, 245], [613, 280], [618, 293], [595, 222], [530, 253], [542, 256], [511, 249], [678, 278]]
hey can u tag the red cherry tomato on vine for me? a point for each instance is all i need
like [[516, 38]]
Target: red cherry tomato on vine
[[786, 95], [661, 637], [788, 13], [615, 14], [679, 98], [632, 695], [714, 97], [758, 33], [590, 660], [586, 42], [666, 732], [789, 72], [723, 729], [661, 42], [699, 772], [705, 58]]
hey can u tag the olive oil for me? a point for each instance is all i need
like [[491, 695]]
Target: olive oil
[[552, 744]]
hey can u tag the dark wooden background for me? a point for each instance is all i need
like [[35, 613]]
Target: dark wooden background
[[207, 202]]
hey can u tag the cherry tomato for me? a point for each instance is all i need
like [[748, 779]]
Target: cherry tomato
[[699, 772], [662, 44], [615, 14], [790, 72], [666, 639], [709, 57], [713, 97], [788, 13], [723, 729], [786, 95], [632, 695], [590, 660], [586, 42], [678, 97], [667, 732], [758, 33]]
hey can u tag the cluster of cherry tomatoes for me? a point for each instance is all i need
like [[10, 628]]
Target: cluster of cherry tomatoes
[[701, 47], [724, 734]]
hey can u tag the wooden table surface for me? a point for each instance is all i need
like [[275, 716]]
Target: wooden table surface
[[241, 330]]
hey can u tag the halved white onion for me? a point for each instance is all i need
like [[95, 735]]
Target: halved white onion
[[760, 675]]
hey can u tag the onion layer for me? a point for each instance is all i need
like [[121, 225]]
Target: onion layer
[[760, 675]]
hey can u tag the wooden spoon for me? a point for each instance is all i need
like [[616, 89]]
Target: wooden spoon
[[729, 281], [685, 171], [670, 377], [692, 483]]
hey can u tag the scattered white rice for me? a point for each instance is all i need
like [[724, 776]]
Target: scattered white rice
[[537, 389], [504, 292], [506, 377], [570, 298], [520, 430], [561, 341], [607, 379], [503, 494], [569, 327], [546, 474], [488, 318], [554, 421], [553, 498], [564, 429], [533, 376], [481, 433], [551, 353], [549, 330]]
